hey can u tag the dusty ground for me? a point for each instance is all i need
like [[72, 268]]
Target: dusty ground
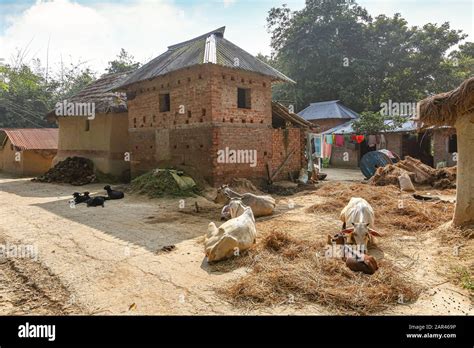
[[109, 260]]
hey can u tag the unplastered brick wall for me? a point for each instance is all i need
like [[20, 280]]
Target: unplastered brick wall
[[224, 85], [211, 121], [189, 96], [284, 142], [243, 138]]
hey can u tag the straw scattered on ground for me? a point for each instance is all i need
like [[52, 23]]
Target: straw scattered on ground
[[393, 210], [287, 270]]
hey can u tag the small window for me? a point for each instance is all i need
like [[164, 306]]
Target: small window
[[453, 144], [243, 98], [165, 102], [88, 125]]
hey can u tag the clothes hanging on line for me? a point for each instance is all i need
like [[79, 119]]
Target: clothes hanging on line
[[339, 140]]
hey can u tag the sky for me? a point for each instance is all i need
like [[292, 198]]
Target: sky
[[93, 32]]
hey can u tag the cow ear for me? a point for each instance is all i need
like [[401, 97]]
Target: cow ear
[[348, 230], [374, 233]]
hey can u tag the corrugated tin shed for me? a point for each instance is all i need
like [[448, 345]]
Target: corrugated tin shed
[[209, 48], [32, 138], [327, 109], [346, 128]]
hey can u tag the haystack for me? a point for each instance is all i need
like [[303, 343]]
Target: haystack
[[164, 182], [456, 108]]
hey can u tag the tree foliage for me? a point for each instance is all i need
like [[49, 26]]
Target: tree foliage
[[336, 50], [124, 62]]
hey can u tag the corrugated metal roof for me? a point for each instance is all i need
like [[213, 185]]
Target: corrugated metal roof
[[192, 52], [33, 138], [346, 128], [327, 109]]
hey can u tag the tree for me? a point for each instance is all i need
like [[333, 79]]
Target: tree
[[335, 50], [124, 62], [374, 122], [26, 96]]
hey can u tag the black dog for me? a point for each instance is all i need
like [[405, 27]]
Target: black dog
[[78, 198], [113, 194], [96, 201]]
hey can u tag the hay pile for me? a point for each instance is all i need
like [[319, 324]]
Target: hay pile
[[293, 271], [393, 211], [73, 170], [158, 183], [418, 172]]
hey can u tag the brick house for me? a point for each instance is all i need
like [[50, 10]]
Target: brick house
[[204, 96], [328, 114]]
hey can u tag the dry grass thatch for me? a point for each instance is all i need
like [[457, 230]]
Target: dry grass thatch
[[393, 211], [293, 271], [443, 109]]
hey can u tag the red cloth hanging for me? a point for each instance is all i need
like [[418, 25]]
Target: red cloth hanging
[[359, 138]]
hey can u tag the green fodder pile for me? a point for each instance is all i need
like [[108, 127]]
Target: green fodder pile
[[287, 270], [160, 183], [393, 210]]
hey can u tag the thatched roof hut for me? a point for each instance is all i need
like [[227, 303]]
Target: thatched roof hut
[[443, 109], [456, 109]]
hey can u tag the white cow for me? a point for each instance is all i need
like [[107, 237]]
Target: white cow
[[233, 236], [360, 215]]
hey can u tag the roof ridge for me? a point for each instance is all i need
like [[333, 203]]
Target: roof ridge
[[219, 31]]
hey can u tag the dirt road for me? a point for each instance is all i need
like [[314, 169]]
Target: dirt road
[[109, 260]]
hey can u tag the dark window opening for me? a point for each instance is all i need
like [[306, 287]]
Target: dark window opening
[[165, 102], [203, 112], [453, 144], [189, 114], [243, 98], [88, 125]]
